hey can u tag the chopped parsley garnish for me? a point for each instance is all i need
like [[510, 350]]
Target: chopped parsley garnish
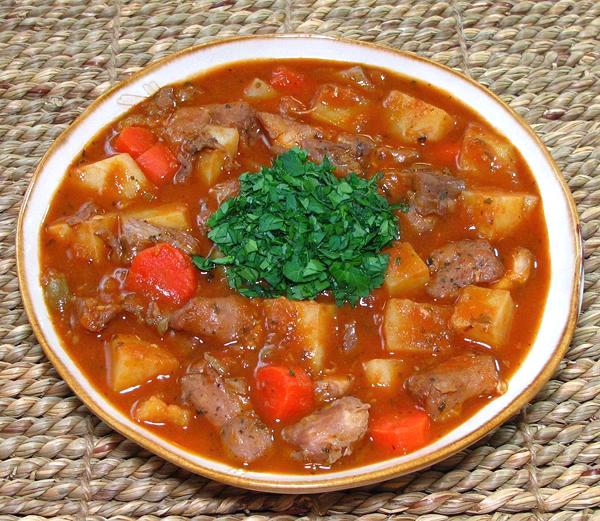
[[296, 230]]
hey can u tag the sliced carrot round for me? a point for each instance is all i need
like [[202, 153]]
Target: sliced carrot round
[[282, 394], [162, 272], [401, 432]]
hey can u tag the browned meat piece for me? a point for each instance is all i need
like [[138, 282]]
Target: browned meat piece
[[332, 387], [222, 402], [288, 105], [342, 156], [459, 264], [187, 124], [205, 389], [225, 190], [137, 234], [394, 185], [246, 437], [444, 389], [325, 436], [418, 222], [203, 216], [238, 114], [222, 318], [360, 146], [287, 132], [436, 193], [95, 315], [86, 211]]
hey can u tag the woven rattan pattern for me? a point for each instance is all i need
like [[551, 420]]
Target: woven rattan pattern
[[57, 461]]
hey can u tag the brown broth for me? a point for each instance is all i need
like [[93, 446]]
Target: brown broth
[[227, 84]]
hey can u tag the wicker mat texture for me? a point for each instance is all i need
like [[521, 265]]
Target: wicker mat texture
[[57, 461]]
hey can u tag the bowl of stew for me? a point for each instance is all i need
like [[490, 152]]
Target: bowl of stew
[[296, 263]]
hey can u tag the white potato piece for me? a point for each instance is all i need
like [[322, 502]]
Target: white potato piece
[[228, 138], [518, 265], [413, 327], [134, 362], [209, 165], [171, 215], [383, 372], [338, 106], [483, 315], [497, 214], [156, 410], [307, 324], [411, 119], [259, 90], [406, 271], [119, 173], [484, 152]]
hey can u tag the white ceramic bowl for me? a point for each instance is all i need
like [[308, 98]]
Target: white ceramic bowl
[[561, 218]]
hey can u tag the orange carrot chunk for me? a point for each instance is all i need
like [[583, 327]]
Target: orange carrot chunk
[[134, 141], [282, 394], [401, 432], [162, 272], [158, 164]]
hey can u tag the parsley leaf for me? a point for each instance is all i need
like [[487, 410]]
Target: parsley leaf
[[296, 230]]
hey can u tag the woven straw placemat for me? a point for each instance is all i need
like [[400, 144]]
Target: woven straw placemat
[[59, 462]]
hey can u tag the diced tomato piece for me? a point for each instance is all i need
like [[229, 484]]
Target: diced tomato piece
[[158, 164], [163, 272], [282, 394], [134, 141], [400, 432], [288, 79], [444, 153]]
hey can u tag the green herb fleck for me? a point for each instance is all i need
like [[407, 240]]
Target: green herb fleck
[[296, 230]]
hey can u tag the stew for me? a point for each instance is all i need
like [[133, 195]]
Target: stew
[[298, 265]]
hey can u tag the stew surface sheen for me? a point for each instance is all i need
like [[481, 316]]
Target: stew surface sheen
[[291, 386]]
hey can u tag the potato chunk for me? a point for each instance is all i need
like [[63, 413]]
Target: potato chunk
[[311, 323], [134, 361], [484, 152], [338, 106], [383, 372], [412, 327], [406, 271], [209, 165], [411, 119], [171, 215], [119, 173], [483, 315], [156, 410], [496, 214], [259, 90], [228, 138]]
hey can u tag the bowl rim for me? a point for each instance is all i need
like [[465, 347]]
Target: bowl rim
[[306, 485]]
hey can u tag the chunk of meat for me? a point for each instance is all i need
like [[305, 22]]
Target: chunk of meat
[[222, 403], [419, 223], [225, 190], [205, 389], [86, 211], [187, 123], [137, 234], [224, 319], [326, 435], [238, 114], [360, 146], [287, 132], [462, 263], [342, 156], [93, 314], [395, 185], [332, 387], [443, 389], [246, 437], [436, 193]]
